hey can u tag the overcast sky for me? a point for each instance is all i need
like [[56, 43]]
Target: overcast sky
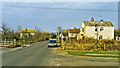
[[49, 15]]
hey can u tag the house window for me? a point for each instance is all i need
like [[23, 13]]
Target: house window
[[82, 29], [101, 28], [100, 37], [95, 29]]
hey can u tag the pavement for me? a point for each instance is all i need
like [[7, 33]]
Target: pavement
[[103, 54], [39, 54]]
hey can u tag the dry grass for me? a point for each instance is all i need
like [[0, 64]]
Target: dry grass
[[86, 44]]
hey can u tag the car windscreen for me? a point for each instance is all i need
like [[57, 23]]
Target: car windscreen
[[52, 41]]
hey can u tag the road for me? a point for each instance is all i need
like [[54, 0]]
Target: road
[[38, 54]]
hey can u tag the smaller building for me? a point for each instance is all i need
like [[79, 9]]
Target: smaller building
[[71, 34], [26, 33], [117, 34], [117, 38]]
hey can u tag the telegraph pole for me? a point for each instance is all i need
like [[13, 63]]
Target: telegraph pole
[[97, 35], [97, 43]]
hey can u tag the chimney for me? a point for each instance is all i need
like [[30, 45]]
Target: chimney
[[26, 29], [74, 27], [92, 19], [101, 20]]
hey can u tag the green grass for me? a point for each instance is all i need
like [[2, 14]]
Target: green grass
[[83, 53]]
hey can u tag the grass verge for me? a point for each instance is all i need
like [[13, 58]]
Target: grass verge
[[95, 53]]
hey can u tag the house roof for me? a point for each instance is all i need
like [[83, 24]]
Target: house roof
[[27, 31], [74, 30], [99, 23]]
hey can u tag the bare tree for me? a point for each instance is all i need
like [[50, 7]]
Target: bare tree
[[5, 30], [8, 33], [19, 28], [37, 29]]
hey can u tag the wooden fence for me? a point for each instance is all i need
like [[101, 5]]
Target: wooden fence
[[8, 43]]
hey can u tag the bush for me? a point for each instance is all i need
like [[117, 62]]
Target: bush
[[87, 40], [86, 44]]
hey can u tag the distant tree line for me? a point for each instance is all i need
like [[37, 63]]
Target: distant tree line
[[10, 34]]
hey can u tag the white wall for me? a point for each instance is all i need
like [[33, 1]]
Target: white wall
[[32, 33], [117, 38], [21, 34], [82, 26], [90, 31], [70, 34], [107, 33]]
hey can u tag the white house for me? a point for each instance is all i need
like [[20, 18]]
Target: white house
[[26, 33], [97, 29]]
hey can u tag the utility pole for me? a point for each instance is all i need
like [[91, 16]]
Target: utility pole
[[97, 43], [97, 35]]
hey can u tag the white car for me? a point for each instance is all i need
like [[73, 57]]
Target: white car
[[52, 42]]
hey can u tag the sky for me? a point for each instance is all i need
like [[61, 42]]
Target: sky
[[49, 15]]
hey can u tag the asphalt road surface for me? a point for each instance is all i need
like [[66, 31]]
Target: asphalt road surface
[[38, 54]]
